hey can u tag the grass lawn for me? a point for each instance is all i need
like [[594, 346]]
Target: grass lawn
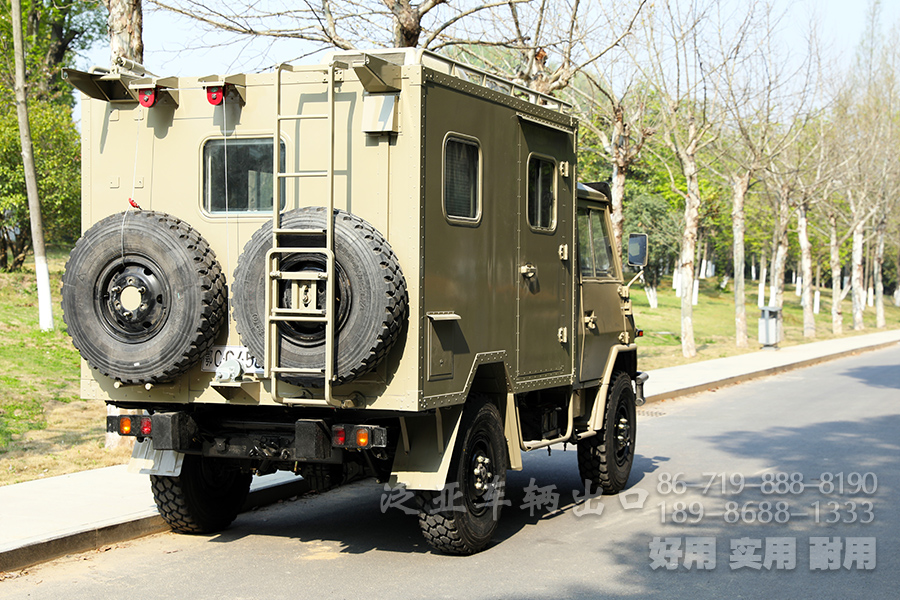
[[45, 429], [713, 319]]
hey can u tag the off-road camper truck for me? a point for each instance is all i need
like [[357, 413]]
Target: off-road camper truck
[[383, 260]]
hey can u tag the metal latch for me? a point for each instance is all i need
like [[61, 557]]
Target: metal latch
[[528, 270], [563, 335], [563, 252], [564, 168]]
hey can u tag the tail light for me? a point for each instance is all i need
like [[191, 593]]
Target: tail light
[[358, 436]]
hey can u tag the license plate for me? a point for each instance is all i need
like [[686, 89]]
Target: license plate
[[216, 355]]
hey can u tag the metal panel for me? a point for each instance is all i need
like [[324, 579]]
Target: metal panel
[[545, 300]]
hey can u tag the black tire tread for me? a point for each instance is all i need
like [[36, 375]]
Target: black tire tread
[[212, 282], [396, 302], [594, 455]]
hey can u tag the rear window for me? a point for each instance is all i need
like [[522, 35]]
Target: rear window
[[248, 183]]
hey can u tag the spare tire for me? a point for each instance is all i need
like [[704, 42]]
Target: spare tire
[[370, 296], [143, 297]]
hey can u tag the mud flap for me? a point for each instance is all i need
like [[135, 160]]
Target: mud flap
[[147, 461], [426, 448]]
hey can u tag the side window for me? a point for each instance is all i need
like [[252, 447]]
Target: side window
[[541, 193], [585, 245], [244, 175], [602, 249], [594, 249], [462, 180]]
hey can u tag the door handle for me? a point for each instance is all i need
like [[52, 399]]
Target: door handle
[[528, 270]]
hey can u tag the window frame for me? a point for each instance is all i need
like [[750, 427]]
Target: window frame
[[206, 210], [452, 136], [611, 273], [555, 207]]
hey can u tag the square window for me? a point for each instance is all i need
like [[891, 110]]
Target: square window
[[248, 183], [462, 179]]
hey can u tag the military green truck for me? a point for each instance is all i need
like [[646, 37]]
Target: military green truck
[[380, 264]]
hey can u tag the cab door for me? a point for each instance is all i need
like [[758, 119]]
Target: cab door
[[545, 229], [601, 318]]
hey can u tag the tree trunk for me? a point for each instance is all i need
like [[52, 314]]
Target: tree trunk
[[856, 277], [739, 185], [877, 265], [809, 319], [617, 189], [126, 24], [688, 249], [837, 316], [761, 285], [42, 273], [779, 261]]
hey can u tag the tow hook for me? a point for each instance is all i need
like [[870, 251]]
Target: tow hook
[[639, 381]]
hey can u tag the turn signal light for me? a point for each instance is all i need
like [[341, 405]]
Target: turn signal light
[[124, 425], [639, 333], [362, 437]]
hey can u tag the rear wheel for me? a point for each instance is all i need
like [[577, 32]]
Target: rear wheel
[[205, 498], [606, 458], [462, 518]]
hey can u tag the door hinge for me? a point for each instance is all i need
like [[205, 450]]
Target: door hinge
[[624, 337], [563, 335], [563, 252], [590, 319], [564, 168]]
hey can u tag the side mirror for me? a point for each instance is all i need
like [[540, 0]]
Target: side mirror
[[637, 249]]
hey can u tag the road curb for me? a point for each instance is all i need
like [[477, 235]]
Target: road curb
[[712, 385], [96, 538]]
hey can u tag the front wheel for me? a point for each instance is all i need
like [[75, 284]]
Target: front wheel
[[462, 517], [205, 498], [606, 458]]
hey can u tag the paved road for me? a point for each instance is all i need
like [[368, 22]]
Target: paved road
[[805, 434]]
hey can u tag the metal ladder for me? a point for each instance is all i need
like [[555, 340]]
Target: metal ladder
[[304, 285]]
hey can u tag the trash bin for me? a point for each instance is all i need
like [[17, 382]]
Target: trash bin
[[768, 326]]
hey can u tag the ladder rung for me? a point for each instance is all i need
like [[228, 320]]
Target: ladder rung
[[279, 316], [298, 371], [302, 174], [298, 275], [282, 230], [301, 117]]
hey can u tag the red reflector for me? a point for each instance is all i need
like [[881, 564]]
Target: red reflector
[[640, 333], [124, 425], [147, 97], [362, 437], [215, 95], [146, 426], [340, 436]]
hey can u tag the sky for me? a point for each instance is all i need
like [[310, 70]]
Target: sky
[[173, 46]]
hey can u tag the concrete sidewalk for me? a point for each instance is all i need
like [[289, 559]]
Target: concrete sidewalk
[[47, 518]]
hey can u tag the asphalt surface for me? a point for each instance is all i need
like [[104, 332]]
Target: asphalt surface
[[45, 519]]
